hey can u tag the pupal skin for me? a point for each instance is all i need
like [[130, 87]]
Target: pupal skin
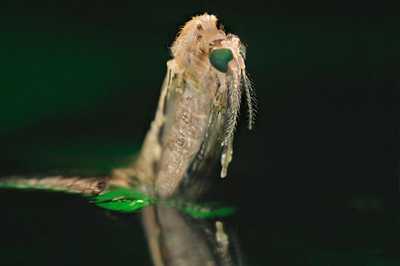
[[197, 111]]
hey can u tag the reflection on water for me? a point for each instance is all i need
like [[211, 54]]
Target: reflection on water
[[177, 239]]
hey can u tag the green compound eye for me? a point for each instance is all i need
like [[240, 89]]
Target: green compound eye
[[219, 58]]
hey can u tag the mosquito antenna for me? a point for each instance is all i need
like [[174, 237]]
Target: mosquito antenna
[[251, 100]]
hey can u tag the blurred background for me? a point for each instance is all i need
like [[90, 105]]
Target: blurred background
[[316, 182]]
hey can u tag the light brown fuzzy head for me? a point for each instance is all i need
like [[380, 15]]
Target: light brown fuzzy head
[[201, 45]]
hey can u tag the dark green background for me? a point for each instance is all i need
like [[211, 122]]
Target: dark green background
[[316, 181]]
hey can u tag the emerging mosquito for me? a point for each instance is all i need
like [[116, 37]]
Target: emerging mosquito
[[194, 124], [193, 128], [198, 107]]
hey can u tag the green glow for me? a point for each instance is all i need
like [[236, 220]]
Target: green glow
[[204, 212], [220, 58], [126, 206], [123, 200], [201, 211], [130, 200], [120, 194]]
